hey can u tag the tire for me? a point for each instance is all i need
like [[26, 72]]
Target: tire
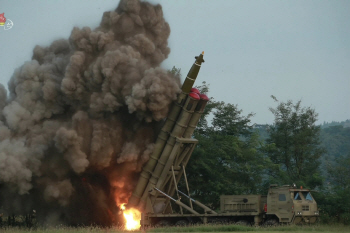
[[271, 223], [181, 223], [298, 220], [242, 223], [163, 223], [219, 221]]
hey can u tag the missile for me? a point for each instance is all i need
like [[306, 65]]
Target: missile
[[165, 131], [192, 74]]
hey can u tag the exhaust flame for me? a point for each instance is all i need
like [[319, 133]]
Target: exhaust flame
[[132, 218]]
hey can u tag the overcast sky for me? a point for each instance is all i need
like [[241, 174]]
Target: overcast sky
[[297, 50]]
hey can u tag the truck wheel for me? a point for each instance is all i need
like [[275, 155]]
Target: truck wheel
[[181, 223], [298, 220], [271, 222], [218, 220], [162, 223], [312, 220], [242, 223]]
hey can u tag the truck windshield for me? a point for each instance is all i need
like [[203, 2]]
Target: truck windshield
[[307, 196], [297, 196]]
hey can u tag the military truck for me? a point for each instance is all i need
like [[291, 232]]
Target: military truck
[[285, 204], [157, 187]]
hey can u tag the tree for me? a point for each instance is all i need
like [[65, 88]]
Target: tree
[[334, 199], [339, 172], [336, 139], [227, 159], [294, 144], [176, 72]]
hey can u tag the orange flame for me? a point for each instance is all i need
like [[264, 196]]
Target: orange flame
[[132, 218]]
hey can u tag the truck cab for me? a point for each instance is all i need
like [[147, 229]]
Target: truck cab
[[290, 204]]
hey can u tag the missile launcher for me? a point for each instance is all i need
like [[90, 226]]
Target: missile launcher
[[165, 131], [177, 132], [157, 187], [172, 150]]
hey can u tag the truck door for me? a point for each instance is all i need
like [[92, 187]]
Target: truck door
[[281, 205], [285, 204]]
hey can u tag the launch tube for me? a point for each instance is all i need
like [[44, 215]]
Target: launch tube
[[158, 148], [163, 175], [192, 124], [187, 134], [179, 129], [165, 131]]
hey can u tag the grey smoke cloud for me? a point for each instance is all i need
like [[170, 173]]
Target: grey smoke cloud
[[81, 117]]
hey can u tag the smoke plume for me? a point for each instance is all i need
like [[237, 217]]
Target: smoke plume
[[81, 117]]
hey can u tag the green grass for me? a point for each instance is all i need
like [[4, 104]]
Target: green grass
[[235, 228], [202, 228]]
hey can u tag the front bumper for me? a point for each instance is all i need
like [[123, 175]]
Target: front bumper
[[299, 219]]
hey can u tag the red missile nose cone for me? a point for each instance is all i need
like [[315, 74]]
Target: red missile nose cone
[[204, 97], [195, 90], [194, 96]]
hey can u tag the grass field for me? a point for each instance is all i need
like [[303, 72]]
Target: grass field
[[207, 228]]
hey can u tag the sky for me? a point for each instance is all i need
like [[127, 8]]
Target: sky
[[294, 50]]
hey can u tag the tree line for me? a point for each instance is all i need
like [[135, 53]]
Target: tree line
[[234, 156]]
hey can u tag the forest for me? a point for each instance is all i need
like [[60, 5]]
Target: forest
[[235, 156]]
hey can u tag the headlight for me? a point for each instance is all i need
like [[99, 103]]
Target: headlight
[[299, 213]]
